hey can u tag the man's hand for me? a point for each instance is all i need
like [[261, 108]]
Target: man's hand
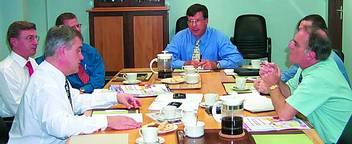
[[122, 123], [270, 74], [128, 100], [260, 86], [192, 62], [206, 64]]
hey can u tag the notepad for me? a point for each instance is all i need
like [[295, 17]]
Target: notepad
[[133, 113], [100, 139], [282, 139]]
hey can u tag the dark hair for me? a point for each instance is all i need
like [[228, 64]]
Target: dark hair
[[319, 43], [64, 16], [16, 27], [193, 9], [58, 36], [317, 21]]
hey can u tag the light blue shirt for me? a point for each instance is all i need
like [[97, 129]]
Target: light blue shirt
[[214, 46], [290, 73]]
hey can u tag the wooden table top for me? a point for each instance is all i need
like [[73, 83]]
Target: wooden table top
[[211, 83]]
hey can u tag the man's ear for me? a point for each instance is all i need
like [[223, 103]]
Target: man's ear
[[61, 51], [311, 55], [13, 42]]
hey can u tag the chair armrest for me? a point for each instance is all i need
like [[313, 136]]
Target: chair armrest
[[269, 48]]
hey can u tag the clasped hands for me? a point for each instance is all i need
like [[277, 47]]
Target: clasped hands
[[269, 75], [123, 122], [203, 64]]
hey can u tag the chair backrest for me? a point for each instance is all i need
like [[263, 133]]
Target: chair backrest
[[250, 37], [346, 136], [181, 24]]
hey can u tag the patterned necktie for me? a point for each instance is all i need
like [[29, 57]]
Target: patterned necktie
[[82, 74], [196, 52], [67, 88], [30, 68]]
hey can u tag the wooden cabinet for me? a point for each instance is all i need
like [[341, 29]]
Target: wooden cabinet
[[128, 37]]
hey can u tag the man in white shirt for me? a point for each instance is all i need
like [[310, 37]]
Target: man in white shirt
[[47, 111], [16, 68]]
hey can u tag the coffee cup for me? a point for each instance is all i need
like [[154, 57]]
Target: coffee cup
[[210, 98], [192, 78], [189, 117], [149, 134], [195, 130], [189, 69], [256, 63], [168, 112], [130, 77], [240, 83]]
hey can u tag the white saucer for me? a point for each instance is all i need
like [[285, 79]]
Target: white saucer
[[140, 140], [178, 116], [131, 82]]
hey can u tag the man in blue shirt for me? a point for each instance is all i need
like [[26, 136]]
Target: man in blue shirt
[[92, 62], [214, 49]]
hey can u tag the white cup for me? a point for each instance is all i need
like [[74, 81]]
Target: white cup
[[189, 69], [149, 134], [168, 112], [192, 78], [210, 98], [240, 83], [256, 63], [130, 77], [195, 130]]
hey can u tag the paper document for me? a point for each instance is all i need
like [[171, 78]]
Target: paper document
[[191, 101], [141, 91], [257, 124], [119, 112], [99, 139], [282, 139]]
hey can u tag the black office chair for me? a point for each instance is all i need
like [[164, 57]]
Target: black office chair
[[346, 136], [340, 54], [181, 24], [250, 37]]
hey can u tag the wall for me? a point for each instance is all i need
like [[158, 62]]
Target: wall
[[281, 17], [347, 35]]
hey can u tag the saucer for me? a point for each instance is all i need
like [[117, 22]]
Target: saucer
[[178, 116], [131, 82], [237, 89], [140, 140]]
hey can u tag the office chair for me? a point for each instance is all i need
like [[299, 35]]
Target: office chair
[[250, 37], [340, 54], [345, 137], [181, 24]]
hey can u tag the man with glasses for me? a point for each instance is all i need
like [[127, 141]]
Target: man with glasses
[[17, 67], [91, 74], [318, 90], [202, 46]]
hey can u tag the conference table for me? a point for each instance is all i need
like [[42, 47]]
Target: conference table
[[211, 82]]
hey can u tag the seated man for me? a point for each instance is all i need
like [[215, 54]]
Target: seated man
[[47, 111], [91, 73], [318, 90], [306, 23], [202, 46], [17, 67]]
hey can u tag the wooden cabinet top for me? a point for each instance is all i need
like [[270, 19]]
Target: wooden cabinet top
[[126, 9]]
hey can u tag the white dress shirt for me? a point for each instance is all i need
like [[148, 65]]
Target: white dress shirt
[[14, 78], [45, 114]]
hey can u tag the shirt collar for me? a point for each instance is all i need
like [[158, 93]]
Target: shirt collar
[[19, 59], [53, 71]]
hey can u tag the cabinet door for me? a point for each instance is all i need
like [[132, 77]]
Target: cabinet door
[[148, 38], [108, 39]]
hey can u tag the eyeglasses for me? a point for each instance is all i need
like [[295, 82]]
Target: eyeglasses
[[76, 26], [194, 21], [32, 38]]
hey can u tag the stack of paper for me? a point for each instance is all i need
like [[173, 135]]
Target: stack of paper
[[269, 123], [119, 112], [141, 91], [191, 101]]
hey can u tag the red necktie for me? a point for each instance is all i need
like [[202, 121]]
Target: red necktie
[[82, 74], [30, 68]]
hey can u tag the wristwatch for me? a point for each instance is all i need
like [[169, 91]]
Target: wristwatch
[[273, 87]]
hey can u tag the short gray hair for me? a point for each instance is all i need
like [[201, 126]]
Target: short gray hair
[[58, 36]]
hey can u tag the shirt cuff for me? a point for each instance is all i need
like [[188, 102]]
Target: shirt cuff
[[102, 122]]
